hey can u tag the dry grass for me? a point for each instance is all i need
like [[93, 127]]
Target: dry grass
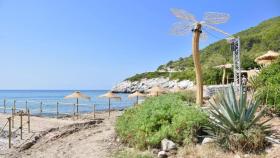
[[132, 153], [210, 151]]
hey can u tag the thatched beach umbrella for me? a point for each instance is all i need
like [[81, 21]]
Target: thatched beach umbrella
[[156, 91], [77, 95], [110, 96], [224, 67], [267, 58], [137, 95]]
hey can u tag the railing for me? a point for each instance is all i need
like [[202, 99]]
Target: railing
[[10, 124], [16, 110], [54, 108]]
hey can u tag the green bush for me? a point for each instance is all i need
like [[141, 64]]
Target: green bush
[[166, 116], [268, 90], [188, 96], [235, 123]]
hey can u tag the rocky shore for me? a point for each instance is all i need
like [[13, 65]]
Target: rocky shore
[[145, 84]]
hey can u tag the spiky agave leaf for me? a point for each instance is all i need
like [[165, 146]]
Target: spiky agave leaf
[[230, 114]]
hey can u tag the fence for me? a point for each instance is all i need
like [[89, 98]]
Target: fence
[[58, 108], [19, 112], [14, 124]]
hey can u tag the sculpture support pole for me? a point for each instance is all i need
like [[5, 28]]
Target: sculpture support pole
[[197, 65]]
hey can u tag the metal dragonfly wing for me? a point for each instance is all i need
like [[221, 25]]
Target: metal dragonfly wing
[[188, 21]]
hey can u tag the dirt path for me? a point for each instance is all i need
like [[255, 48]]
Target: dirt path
[[91, 140]]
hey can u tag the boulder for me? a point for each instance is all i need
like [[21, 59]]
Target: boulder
[[167, 145], [162, 154], [208, 141]]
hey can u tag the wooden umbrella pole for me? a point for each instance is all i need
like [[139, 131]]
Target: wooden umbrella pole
[[77, 106], [26, 108], [109, 106], [224, 76], [4, 105], [137, 100], [197, 65]]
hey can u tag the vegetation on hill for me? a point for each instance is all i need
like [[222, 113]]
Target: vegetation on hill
[[166, 116], [254, 42]]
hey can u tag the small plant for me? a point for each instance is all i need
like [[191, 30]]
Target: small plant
[[254, 83], [236, 124]]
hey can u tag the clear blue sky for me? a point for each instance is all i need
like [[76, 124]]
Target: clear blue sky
[[93, 44]]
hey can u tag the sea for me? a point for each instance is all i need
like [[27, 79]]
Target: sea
[[47, 102]]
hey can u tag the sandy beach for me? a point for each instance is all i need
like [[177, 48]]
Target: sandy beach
[[66, 137]]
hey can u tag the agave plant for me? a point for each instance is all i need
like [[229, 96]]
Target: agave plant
[[232, 114]]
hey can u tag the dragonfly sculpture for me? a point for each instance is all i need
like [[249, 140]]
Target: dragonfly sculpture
[[187, 24]]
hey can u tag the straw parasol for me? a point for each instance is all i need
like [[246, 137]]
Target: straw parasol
[[155, 91], [137, 95], [267, 58], [224, 67], [77, 95], [110, 96]]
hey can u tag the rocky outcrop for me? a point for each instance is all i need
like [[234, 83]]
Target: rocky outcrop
[[145, 84]]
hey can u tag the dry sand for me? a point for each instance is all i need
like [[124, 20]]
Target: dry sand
[[83, 137]]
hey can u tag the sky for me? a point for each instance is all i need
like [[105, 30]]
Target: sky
[[94, 44]]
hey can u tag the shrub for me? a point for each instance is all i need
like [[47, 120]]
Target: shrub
[[268, 90], [188, 96], [235, 123], [166, 116]]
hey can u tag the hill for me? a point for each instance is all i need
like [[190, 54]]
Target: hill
[[254, 42]]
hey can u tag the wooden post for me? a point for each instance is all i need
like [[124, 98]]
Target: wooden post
[[21, 112], [57, 109], [77, 106], [28, 121], [74, 113], [224, 76], [227, 78], [197, 65], [94, 111], [13, 115], [4, 105], [41, 107], [109, 107], [26, 108], [14, 106], [10, 132]]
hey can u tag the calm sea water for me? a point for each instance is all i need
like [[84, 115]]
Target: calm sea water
[[49, 99]]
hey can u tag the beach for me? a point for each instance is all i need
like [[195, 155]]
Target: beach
[[67, 137]]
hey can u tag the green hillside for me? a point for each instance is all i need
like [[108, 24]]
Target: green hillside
[[254, 42]]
